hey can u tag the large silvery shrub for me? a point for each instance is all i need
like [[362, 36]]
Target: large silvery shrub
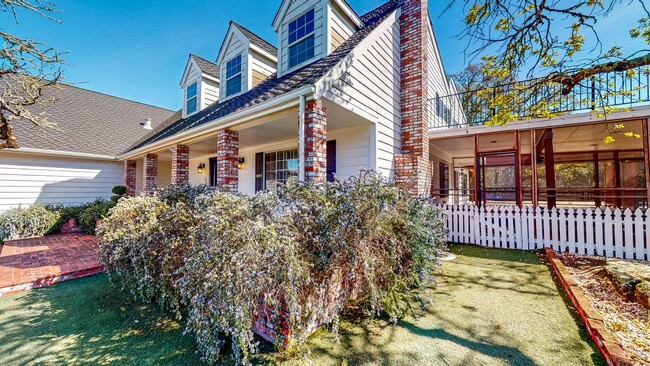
[[145, 240], [310, 251]]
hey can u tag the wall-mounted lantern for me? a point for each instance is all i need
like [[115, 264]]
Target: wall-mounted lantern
[[240, 162], [201, 168]]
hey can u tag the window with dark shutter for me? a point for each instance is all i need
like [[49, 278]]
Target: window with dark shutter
[[259, 172]]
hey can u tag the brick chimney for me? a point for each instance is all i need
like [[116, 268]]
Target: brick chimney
[[412, 167]]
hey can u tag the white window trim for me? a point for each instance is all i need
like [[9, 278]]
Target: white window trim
[[297, 66], [241, 72], [264, 171]]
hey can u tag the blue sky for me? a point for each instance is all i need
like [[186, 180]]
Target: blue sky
[[138, 49]]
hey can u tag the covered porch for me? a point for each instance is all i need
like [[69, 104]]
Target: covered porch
[[257, 153], [558, 165]]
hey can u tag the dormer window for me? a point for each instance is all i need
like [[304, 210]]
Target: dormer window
[[191, 103], [301, 39], [233, 76]]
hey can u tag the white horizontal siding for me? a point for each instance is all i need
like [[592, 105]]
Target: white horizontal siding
[[297, 8], [370, 87], [352, 149], [262, 64], [209, 92], [28, 179], [439, 84], [193, 73], [235, 47], [339, 24]]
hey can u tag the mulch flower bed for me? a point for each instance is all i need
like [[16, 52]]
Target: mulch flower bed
[[626, 319]]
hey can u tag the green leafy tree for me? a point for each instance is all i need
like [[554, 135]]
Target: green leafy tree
[[27, 67], [549, 40]]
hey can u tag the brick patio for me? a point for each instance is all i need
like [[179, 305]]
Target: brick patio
[[42, 261]]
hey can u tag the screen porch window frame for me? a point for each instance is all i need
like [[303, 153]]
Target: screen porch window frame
[[233, 75], [191, 98], [301, 33], [282, 168]]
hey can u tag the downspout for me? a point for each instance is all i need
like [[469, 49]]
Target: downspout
[[301, 139]]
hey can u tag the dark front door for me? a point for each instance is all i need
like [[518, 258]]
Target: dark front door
[[213, 172], [331, 160]]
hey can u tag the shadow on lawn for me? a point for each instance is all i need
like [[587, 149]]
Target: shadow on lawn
[[509, 354], [527, 264], [88, 321], [370, 347]]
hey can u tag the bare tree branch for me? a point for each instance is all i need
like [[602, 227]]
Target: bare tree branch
[[27, 67]]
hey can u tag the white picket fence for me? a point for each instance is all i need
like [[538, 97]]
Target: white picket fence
[[603, 232]]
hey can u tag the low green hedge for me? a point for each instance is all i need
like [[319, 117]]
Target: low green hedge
[[86, 215], [38, 220], [20, 222]]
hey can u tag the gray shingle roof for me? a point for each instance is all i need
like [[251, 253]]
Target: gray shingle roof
[[88, 122], [259, 42], [273, 86], [206, 66]]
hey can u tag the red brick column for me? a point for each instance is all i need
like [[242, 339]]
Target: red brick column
[[130, 177], [150, 173], [180, 164], [412, 166], [315, 142], [227, 159]]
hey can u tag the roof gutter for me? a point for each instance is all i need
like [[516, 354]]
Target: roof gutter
[[273, 105], [66, 154]]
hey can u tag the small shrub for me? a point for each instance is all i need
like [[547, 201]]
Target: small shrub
[[118, 192], [86, 215], [91, 213], [34, 220]]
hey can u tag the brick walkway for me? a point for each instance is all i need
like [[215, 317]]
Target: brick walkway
[[42, 261]]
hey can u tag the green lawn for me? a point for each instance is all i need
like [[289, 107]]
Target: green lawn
[[493, 307], [88, 321]]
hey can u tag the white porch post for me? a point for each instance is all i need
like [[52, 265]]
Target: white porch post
[[301, 140]]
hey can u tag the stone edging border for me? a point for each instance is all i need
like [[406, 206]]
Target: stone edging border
[[51, 280], [608, 346]]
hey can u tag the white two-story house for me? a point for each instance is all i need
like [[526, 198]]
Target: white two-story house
[[340, 93]]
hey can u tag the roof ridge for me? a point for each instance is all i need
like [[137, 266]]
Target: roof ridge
[[202, 58], [241, 27]]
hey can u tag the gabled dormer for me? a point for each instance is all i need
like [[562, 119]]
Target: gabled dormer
[[309, 30], [200, 84], [245, 60]]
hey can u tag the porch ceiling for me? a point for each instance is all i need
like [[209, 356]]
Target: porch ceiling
[[583, 138], [277, 127]]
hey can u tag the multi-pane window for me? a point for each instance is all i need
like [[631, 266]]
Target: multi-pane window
[[233, 76], [301, 39], [279, 166], [191, 99]]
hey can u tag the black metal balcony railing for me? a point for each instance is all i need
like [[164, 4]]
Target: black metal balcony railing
[[536, 99]]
